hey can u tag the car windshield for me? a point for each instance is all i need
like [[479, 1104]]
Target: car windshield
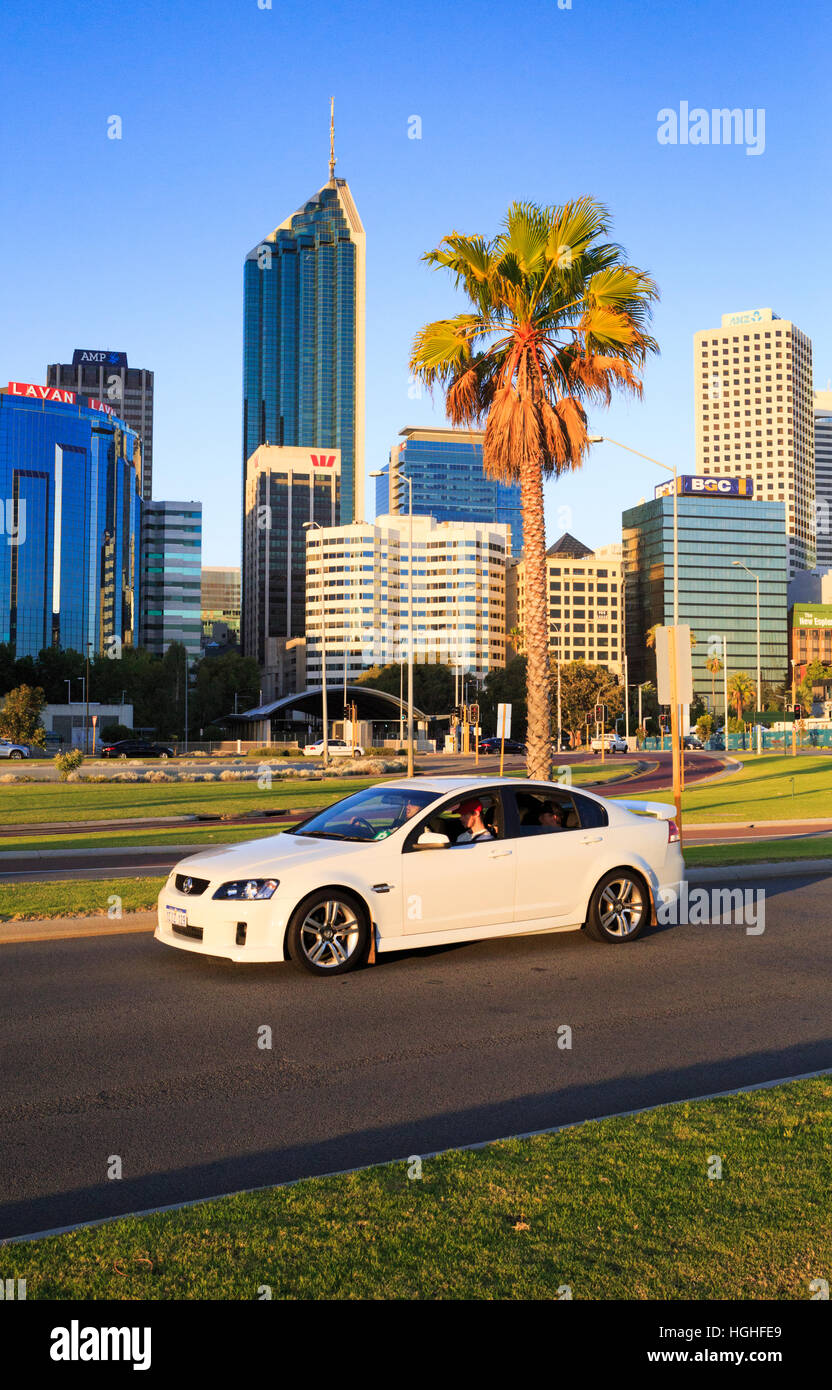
[[372, 814]]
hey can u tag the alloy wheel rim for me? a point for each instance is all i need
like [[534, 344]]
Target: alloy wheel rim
[[621, 908], [329, 934]]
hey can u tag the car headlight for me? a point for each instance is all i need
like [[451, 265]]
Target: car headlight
[[247, 888]]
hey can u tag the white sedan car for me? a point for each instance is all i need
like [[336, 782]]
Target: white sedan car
[[337, 749], [423, 862], [612, 743]]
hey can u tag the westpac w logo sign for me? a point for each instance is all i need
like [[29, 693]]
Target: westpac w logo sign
[[323, 460]]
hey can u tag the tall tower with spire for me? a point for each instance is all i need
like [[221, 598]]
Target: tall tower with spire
[[303, 335]]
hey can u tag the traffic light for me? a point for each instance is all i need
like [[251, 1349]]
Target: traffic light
[[664, 720], [600, 714], [797, 711], [474, 715]]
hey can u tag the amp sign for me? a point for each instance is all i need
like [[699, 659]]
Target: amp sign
[[98, 357], [689, 486]]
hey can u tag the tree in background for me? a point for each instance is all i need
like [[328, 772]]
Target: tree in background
[[583, 686], [713, 666], [506, 685], [433, 684], [557, 321], [20, 717], [741, 692], [218, 680]]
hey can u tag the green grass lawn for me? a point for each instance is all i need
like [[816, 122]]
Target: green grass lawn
[[620, 1209], [761, 791], [82, 897], [132, 838], [760, 851], [38, 802]]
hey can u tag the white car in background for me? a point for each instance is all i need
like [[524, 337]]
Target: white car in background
[[611, 743], [390, 868], [337, 749]]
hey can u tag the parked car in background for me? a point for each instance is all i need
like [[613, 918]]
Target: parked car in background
[[492, 745], [136, 748], [483, 857], [693, 741], [9, 749], [611, 743], [337, 749]]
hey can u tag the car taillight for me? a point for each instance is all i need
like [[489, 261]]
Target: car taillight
[[673, 836]]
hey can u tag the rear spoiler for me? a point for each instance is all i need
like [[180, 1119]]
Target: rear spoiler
[[663, 810]]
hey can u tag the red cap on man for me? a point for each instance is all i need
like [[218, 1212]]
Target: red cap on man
[[471, 807]]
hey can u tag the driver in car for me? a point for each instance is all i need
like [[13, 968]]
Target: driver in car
[[470, 813]]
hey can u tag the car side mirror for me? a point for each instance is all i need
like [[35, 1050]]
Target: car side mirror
[[431, 839]]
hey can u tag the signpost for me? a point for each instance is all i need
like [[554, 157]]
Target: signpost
[[675, 688], [503, 729]]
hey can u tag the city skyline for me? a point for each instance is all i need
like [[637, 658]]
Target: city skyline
[[667, 203]]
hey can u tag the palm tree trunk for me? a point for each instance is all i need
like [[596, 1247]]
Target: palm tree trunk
[[536, 624]]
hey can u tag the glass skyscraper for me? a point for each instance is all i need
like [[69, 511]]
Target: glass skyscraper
[[303, 338], [716, 597], [71, 513], [172, 576], [448, 482]]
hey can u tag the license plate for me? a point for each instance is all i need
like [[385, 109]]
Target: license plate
[[177, 916]]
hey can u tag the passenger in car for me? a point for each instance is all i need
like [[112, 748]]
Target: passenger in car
[[551, 816], [470, 813]]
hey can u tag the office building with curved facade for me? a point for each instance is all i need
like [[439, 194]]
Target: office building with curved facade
[[71, 512]]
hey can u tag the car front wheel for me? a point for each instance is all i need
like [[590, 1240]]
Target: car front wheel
[[329, 932], [16, 754], [619, 908]]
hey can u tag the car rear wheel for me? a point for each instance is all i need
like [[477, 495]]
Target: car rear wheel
[[329, 932], [619, 908]]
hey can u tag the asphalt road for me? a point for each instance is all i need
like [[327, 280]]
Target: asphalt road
[[121, 1046]]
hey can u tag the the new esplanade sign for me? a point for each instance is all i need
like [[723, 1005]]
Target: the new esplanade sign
[[690, 485]]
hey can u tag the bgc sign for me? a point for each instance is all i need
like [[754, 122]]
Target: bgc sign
[[689, 486]]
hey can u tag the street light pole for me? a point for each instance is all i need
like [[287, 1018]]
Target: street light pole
[[87, 715], [756, 579], [316, 525]]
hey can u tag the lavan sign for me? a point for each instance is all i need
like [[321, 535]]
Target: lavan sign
[[32, 392], [98, 357], [689, 486]]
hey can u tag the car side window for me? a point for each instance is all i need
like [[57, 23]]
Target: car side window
[[542, 813], [591, 813], [448, 821]]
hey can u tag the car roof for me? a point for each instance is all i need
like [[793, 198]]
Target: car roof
[[445, 785]]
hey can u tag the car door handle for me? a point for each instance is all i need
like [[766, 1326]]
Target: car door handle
[[499, 853], [593, 839]]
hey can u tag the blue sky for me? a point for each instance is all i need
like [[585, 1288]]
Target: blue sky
[[138, 244]]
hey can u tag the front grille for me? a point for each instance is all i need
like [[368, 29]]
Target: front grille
[[197, 885], [194, 932]]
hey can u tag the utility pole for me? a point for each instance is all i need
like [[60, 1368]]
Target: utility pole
[[87, 715]]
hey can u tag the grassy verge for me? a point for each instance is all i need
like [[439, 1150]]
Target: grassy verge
[[762, 791], [760, 851], [41, 802], [621, 1209], [80, 897], [130, 839]]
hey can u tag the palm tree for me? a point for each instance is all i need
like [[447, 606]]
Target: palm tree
[[713, 665], [741, 687], [558, 320]]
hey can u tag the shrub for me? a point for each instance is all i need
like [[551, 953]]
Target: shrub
[[68, 762], [159, 777], [228, 776]]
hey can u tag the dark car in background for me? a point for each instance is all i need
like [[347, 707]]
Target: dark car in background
[[492, 745], [136, 748]]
